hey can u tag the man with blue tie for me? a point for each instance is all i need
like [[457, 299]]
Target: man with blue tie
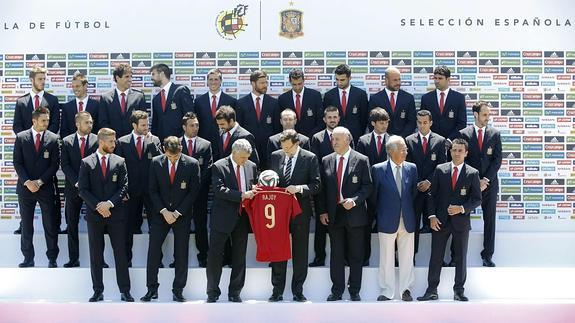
[[81, 102], [395, 183], [350, 100], [170, 105], [399, 104], [117, 105]]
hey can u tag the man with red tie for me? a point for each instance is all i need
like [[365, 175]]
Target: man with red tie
[[81, 102], [230, 131]]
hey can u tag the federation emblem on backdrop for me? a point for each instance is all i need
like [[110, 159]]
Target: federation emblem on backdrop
[[291, 23], [231, 23]]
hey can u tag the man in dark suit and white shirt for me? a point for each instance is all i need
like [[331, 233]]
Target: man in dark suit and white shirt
[[81, 102], [170, 104], [288, 119], [137, 148], [394, 182], [399, 104], [173, 188], [36, 158], [351, 102], [485, 154], [305, 102], [75, 147], [117, 105], [230, 131], [102, 184], [455, 192], [298, 170], [232, 179], [347, 184]]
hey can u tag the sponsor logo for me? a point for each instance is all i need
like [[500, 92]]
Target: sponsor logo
[[229, 24]]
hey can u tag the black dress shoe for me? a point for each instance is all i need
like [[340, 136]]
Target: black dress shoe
[[355, 297], [130, 264], [26, 264], [65, 231], [299, 298], [235, 299], [202, 263], [366, 263], [177, 296], [161, 265], [212, 299], [383, 298], [406, 296], [334, 297], [487, 262], [97, 297], [276, 298], [72, 263], [428, 297], [150, 295], [172, 264], [317, 263], [105, 265], [18, 231], [459, 296], [52, 264], [450, 264], [126, 297]]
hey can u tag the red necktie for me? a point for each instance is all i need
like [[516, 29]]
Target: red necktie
[[190, 147], [424, 145], [339, 177], [123, 103], [82, 147], [172, 173], [238, 178], [36, 102], [298, 105], [214, 106], [441, 102], [343, 102], [392, 102], [163, 100], [258, 108], [226, 140], [103, 166], [454, 178], [480, 139], [37, 143], [379, 145], [80, 106], [139, 147]]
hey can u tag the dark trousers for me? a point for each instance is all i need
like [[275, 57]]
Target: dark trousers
[[117, 233], [134, 207], [488, 206], [27, 204], [369, 229], [239, 242], [201, 223], [421, 215], [299, 244], [72, 211], [158, 232], [438, 244], [319, 239], [57, 208]]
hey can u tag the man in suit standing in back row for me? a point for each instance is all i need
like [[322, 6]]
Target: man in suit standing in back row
[[82, 102]]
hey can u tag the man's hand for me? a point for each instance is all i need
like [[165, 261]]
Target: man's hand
[[454, 209], [126, 198], [32, 186], [324, 219], [483, 183], [104, 209], [248, 195], [348, 204], [170, 217], [434, 223], [423, 186], [292, 189]]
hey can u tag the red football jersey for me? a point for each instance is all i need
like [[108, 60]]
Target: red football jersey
[[270, 212]]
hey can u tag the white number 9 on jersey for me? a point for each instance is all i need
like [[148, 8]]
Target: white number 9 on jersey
[[270, 214]]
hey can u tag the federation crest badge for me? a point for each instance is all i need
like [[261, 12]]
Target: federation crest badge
[[291, 23], [230, 23]]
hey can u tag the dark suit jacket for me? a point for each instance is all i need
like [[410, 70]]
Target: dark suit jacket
[[311, 118], [110, 113], [240, 133], [138, 169], [227, 197], [454, 117], [203, 107], [403, 121], [169, 123], [203, 154], [179, 196], [94, 188], [306, 173], [390, 205], [488, 160], [71, 158], [367, 145], [275, 144], [69, 110], [467, 193], [427, 162], [25, 106], [357, 185], [321, 145], [30, 165], [356, 113]]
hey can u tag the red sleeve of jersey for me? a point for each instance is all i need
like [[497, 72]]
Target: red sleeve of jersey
[[295, 208]]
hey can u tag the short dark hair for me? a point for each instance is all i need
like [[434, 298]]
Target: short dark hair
[[257, 74], [330, 108], [289, 134], [226, 112], [442, 70], [40, 111], [188, 116], [80, 77], [477, 106], [120, 70], [172, 145], [425, 113], [378, 114], [138, 115], [296, 74], [162, 68], [343, 69], [460, 141]]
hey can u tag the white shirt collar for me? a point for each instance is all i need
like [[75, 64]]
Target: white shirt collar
[[394, 165], [231, 131], [258, 96], [300, 94], [80, 136], [422, 136], [135, 136], [345, 156], [446, 91], [167, 88], [100, 156], [34, 133], [186, 138], [346, 90], [217, 94], [477, 128], [39, 94], [458, 167], [119, 93], [388, 91]]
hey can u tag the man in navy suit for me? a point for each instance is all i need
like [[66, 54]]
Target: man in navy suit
[[288, 120], [170, 105], [394, 184], [350, 101], [230, 131], [399, 104], [455, 192], [102, 184], [426, 149], [36, 158], [347, 184], [447, 106], [485, 155], [206, 106], [116, 106], [258, 113], [137, 148], [201, 150], [75, 147], [306, 103], [81, 102]]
